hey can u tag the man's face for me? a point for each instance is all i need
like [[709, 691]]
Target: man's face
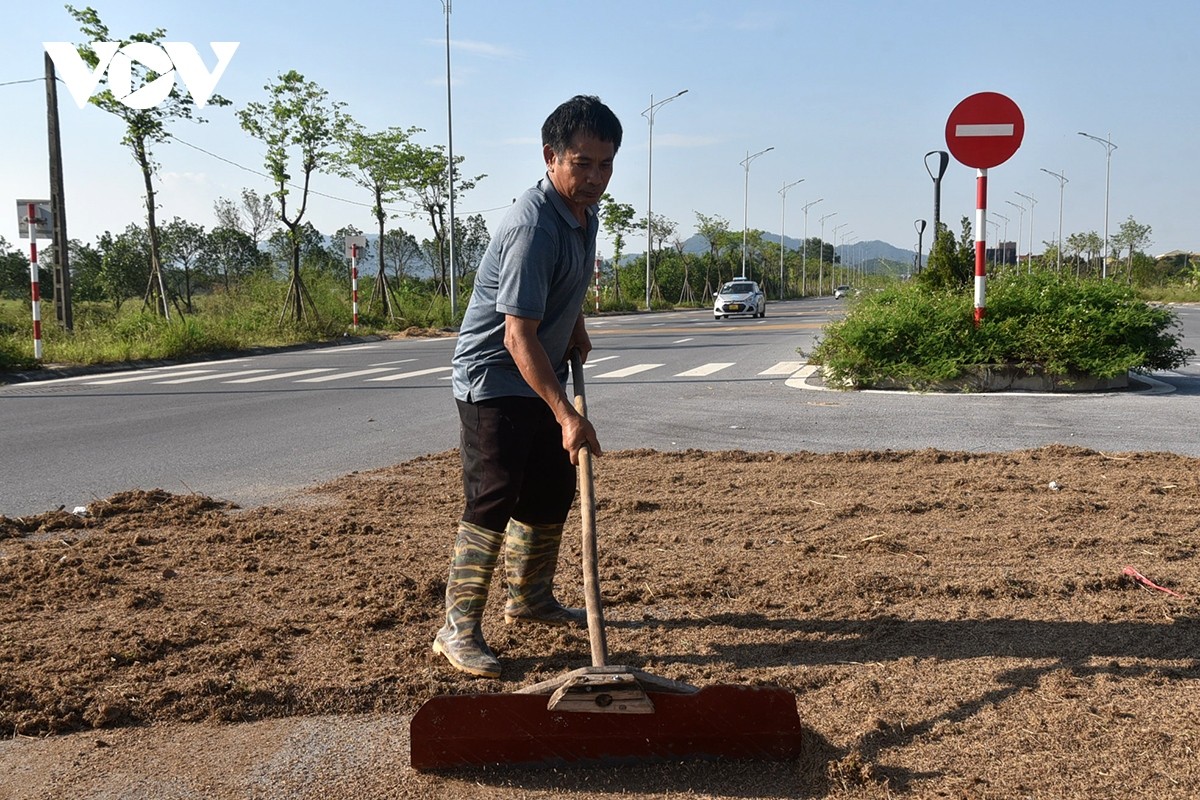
[[581, 173]]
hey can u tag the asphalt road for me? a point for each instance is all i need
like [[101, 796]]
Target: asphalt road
[[256, 429]]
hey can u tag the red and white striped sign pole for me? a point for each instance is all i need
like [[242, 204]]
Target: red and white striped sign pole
[[980, 244], [34, 283], [354, 282]]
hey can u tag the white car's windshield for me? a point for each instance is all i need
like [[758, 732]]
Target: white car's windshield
[[737, 288]]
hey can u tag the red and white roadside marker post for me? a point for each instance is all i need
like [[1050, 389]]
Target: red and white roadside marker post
[[597, 284], [983, 131], [353, 245], [33, 219]]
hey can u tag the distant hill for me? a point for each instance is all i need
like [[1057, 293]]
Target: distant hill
[[872, 252]]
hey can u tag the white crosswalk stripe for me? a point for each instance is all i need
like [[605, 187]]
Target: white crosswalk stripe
[[783, 368], [414, 374], [217, 377], [145, 376], [281, 375], [341, 376], [625, 372], [707, 369]]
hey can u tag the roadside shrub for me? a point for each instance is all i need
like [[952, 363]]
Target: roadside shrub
[[1039, 321]]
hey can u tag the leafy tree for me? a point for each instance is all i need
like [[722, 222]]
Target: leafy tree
[[617, 220], [470, 243], [378, 162], [1132, 236], [401, 250], [298, 123], [256, 217], [233, 254], [14, 272], [143, 128], [950, 264], [183, 245], [427, 178], [122, 263]]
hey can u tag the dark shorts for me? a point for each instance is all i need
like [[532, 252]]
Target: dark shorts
[[514, 464]]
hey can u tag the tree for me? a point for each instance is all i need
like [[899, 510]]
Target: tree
[[183, 245], [122, 263], [470, 243], [14, 272], [427, 179], [232, 254], [715, 230], [143, 128], [256, 217], [617, 220], [400, 249], [949, 265], [297, 122], [1132, 237], [378, 162]]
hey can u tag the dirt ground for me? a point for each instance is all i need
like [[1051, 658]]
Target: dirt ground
[[952, 624]]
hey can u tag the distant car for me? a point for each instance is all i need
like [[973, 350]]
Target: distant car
[[741, 296], [840, 292]]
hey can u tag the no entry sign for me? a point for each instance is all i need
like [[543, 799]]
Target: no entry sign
[[984, 130]]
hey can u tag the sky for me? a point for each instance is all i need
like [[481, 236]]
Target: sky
[[850, 96]]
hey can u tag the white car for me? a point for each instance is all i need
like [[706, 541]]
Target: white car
[[840, 292], [738, 297]]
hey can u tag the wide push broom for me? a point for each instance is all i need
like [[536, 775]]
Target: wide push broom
[[603, 714]]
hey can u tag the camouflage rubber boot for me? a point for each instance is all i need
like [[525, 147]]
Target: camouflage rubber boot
[[460, 640], [530, 558]]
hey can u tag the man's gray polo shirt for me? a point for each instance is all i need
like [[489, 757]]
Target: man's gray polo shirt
[[537, 266]]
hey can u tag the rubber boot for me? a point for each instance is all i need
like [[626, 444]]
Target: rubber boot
[[530, 558], [460, 640]]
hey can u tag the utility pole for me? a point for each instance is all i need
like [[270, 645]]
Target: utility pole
[[58, 208]]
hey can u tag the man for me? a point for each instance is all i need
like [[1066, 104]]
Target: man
[[520, 433]]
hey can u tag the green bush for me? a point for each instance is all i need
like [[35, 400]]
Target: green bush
[[1040, 321]]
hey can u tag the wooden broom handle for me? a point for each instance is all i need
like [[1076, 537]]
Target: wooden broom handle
[[587, 511]]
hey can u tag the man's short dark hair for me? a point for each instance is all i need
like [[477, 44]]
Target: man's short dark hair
[[581, 114]]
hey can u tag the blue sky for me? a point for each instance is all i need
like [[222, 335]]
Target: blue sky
[[851, 95]]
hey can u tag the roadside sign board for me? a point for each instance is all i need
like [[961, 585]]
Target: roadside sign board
[[43, 225], [355, 241], [984, 130]]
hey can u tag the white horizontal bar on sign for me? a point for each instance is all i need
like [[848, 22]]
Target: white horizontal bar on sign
[[706, 369], [997, 129], [340, 375], [783, 368], [218, 376], [627, 371], [281, 375], [414, 374]]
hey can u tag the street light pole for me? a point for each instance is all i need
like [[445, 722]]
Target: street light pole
[[746, 203], [649, 115], [1004, 238], [833, 262], [782, 221], [1108, 151], [804, 258], [821, 268], [1020, 227], [1062, 184], [450, 170], [1032, 205]]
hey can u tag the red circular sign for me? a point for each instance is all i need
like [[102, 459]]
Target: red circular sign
[[984, 130]]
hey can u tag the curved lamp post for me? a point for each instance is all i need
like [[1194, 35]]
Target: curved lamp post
[[821, 268], [833, 263], [1032, 205], [746, 203], [1108, 150], [919, 224], [1020, 227], [1062, 183], [782, 220], [804, 257], [649, 115]]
